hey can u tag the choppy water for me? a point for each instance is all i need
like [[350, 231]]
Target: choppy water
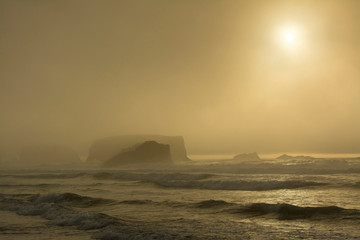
[[178, 203]]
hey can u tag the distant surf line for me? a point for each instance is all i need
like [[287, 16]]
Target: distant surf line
[[201, 157]]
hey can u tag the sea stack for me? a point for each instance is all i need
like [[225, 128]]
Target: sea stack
[[107, 148], [247, 157], [149, 152]]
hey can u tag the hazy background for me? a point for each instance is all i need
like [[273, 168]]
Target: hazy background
[[215, 72]]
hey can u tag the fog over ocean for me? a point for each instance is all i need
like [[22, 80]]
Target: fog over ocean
[[179, 119]]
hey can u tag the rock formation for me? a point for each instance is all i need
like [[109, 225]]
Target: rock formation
[[106, 148], [247, 157], [148, 152]]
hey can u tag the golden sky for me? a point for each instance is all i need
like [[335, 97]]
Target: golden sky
[[230, 76]]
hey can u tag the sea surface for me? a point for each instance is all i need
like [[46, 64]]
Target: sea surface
[[207, 200]]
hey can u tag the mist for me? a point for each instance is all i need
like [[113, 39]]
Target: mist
[[210, 71], [179, 119]]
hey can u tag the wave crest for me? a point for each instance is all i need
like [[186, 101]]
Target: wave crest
[[238, 184], [69, 199], [212, 203], [158, 177], [291, 212], [59, 215]]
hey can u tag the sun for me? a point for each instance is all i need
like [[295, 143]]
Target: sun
[[289, 37]]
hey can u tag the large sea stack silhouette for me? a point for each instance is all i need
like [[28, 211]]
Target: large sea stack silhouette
[[105, 149]]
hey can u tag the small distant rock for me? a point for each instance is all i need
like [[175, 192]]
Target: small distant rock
[[284, 157], [247, 157], [148, 152]]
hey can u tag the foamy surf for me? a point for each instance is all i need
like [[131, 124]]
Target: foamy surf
[[185, 205]]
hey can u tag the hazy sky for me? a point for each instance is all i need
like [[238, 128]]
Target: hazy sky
[[230, 76]]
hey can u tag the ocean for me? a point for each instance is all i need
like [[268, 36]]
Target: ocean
[[198, 200]]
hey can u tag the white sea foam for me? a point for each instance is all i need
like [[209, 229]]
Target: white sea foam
[[58, 215]]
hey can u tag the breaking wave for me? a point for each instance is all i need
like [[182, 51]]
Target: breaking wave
[[157, 177], [28, 185], [52, 208], [140, 202], [57, 214], [285, 211], [70, 199], [281, 211], [212, 204], [46, 175], [176, 180], [355, 185], [57, 208], [202, 181], [238, 184]]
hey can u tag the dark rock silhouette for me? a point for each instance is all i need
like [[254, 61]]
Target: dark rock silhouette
[[44, 154], [247, 157], [106, 148], [148, 152]]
